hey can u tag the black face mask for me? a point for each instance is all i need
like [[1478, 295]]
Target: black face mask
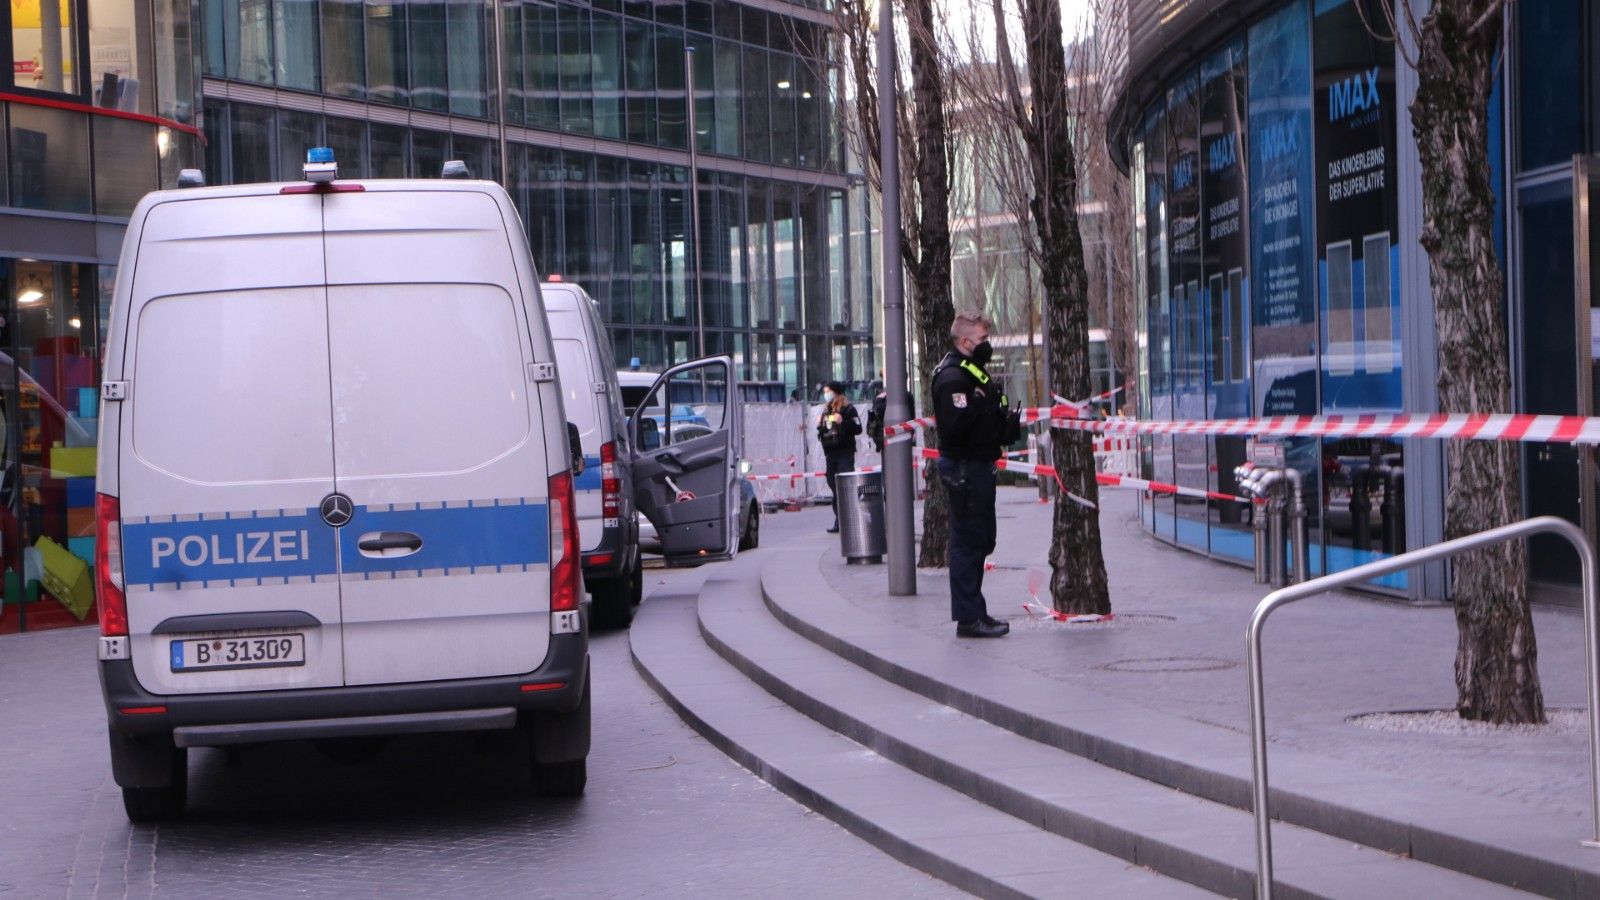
[[982, 353]]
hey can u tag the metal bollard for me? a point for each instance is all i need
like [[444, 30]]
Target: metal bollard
[[1276, 540], [1258, 527], [1394, 510], [1299, 533], [1361, 508]]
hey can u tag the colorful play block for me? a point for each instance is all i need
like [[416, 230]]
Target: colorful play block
[[68, 462], [80, 491], [66, 577], [82, 548]]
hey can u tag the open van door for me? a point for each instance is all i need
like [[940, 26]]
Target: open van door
[[687, 438]]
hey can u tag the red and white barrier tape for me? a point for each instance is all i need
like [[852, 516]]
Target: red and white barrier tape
[[1460, 426], [1040, 611]]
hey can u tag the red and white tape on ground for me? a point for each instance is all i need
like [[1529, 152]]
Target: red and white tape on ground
[[1040, 611], [1461, 426]]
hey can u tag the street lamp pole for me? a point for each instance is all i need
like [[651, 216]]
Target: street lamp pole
[[897, 453]]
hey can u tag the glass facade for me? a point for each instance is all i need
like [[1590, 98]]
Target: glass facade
[[1270, 236], [775, 250], [99, 104]]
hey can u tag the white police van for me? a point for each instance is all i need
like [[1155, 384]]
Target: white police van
[[334, 483], [608, 527]]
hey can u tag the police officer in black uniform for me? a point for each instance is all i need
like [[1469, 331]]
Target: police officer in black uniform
[[975, 422]]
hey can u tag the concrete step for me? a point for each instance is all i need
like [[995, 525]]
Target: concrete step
[[1486, 838], [1207, 844], [912, 818]]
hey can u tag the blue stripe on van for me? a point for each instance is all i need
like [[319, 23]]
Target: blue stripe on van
[[590, 479], [298, 544], [510, 534]]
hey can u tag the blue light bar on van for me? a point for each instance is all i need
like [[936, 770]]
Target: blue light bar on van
[[320, 165]]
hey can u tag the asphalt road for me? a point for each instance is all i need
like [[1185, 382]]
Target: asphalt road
[[665, 814]]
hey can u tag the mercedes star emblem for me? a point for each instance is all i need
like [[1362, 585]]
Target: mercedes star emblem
[[337, 510]]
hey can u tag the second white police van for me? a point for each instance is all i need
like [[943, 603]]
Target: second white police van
[[335, 480], [608, 528]]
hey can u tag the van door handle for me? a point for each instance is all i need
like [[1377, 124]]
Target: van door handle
[[389, 543]]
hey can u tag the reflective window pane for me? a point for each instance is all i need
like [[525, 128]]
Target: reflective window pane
[[704, 93], [607, 76], [577, 74], [44, 46], [124, 164], [674, 124], [725, 82], [386, 52], [120, 67], [343, 54], [542, 102], [296, 29], [783, 109], [253, 133], [297, 133], [247, 31], [388, 153], [466, 60], [641, 81], [427, 54], [348, 138], [429, 150], [177, 56], [757, 99], [49, 156]]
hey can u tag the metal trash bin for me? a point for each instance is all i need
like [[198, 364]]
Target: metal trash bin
[[862, 538]]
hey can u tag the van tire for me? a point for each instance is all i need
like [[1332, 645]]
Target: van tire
[[162, 802], [563, 779], [615, 601], [558, 749], [750, 538]]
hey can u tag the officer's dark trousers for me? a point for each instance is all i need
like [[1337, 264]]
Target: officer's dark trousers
[[969, 487], [838, 462]]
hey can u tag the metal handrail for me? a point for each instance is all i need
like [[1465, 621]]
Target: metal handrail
[[1285, 596]]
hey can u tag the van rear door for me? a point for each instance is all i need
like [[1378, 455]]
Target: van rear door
[[438, 439], [687, 438], [226, 449], [584, 409]]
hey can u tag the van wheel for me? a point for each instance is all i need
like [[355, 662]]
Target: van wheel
[[751, 539], [156, 804], [563, 779], [615, 601], [558, 749]]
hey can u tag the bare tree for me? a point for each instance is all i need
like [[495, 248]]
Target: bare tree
[[925, 234], [1453, 49], [1044, 121], [1097, 70]]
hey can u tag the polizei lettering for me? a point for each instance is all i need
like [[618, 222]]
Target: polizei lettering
[[251, 547]]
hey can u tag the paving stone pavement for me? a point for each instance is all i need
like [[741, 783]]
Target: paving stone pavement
[[665, 815], [1178, 648]]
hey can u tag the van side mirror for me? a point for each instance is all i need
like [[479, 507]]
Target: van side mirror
[[649, 434], [576, 443]]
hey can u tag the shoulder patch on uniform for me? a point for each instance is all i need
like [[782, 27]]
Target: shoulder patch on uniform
[[960, 400]]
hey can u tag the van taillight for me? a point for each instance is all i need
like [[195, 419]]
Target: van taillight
[[565, 588], [610, 484], [108, 566]]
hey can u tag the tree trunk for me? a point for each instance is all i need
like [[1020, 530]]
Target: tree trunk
[[931, 271], [1497, 676], [1078, 570]]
